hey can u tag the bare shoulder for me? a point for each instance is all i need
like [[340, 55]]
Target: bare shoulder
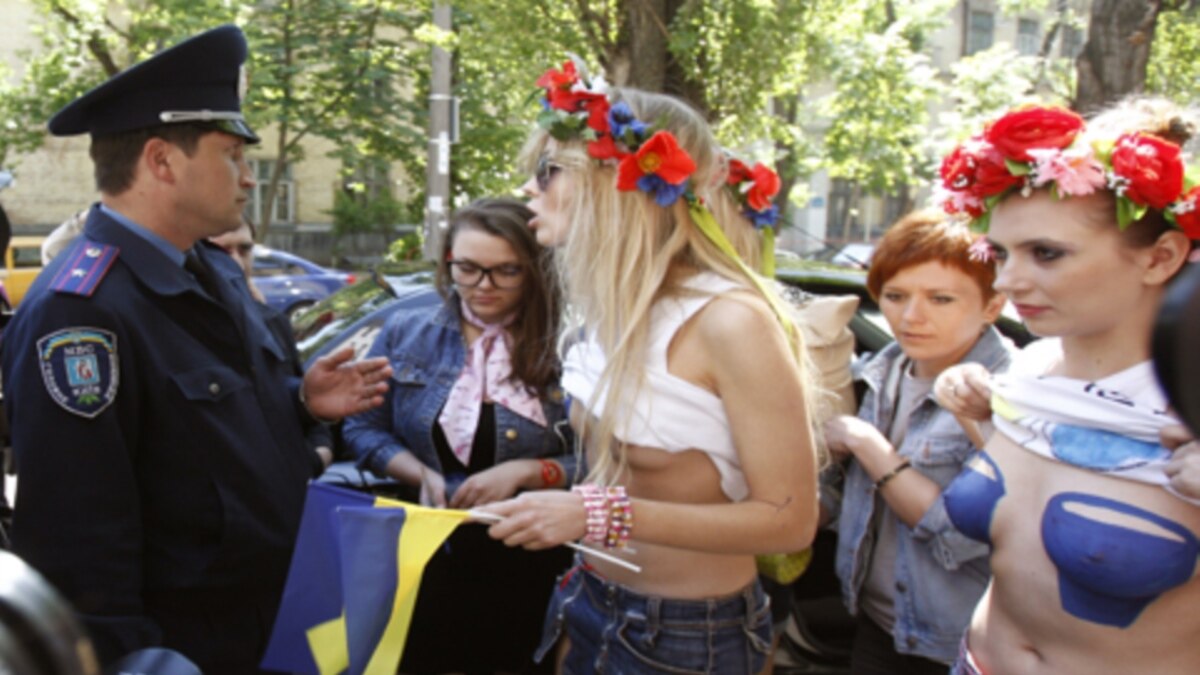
[[739, 324]]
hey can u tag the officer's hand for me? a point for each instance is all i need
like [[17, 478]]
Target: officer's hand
[[499, 482], [334, 387]]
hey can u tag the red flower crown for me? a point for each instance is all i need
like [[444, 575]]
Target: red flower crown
[[648, 158], [1033, 147]]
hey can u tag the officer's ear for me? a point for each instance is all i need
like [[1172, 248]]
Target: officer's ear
[[157, 158]]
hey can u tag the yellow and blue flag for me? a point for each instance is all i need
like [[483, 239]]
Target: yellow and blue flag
[[353, 582]]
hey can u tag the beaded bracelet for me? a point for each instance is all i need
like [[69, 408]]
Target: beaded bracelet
[[620, 523], [596, 508]]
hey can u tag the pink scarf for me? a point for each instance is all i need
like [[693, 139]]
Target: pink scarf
[[486, 374]]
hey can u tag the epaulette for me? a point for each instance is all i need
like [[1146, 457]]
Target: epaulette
[[87, 266]]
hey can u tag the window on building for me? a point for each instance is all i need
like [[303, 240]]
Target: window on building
[[1029, 38], [980, 31], [285, 194], [1072, 42]]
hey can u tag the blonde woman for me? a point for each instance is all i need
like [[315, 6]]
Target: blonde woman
[[1094, 550], [687, 389]]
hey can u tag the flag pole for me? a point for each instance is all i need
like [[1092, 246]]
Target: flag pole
[[588, 550]]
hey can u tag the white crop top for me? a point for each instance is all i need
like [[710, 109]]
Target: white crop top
[[669, 413]]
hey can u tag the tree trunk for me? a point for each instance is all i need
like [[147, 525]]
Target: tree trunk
[[640, 57], [851, 208], [1112, 64], [786, 166], [646, 25]]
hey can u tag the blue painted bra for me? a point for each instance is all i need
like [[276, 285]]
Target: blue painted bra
[[1107, 573]]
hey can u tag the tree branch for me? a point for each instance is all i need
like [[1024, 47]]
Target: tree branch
[[94, 43]]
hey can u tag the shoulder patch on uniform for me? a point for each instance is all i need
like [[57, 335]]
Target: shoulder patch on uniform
[[79, 368], [86, 268]]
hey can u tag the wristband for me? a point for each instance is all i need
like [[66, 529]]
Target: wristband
[[883, 480], [308, 410], [620, 518], [552, 473], [595, 506]]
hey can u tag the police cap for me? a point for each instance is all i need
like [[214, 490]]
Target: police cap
[[198, 80]]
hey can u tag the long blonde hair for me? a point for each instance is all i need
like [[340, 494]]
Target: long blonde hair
[[625, 253]]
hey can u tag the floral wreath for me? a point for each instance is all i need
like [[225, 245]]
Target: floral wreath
[[1034, 146], [648, 158]]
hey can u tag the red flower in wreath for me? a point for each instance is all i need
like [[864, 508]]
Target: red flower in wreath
[[1187, 213], [738, 172], [1021, 130], [976, 168], [765, 187], [561, 90], [659, 167], [764, 183], [604, 148], [597, 109], [1150, 169]]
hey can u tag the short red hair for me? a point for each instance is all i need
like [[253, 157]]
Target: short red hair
[[925, 236]]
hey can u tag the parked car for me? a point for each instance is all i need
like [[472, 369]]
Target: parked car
[[820, 631], [855, 255], [290, 283], [22, 264]]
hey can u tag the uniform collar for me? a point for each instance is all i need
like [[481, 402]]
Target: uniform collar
[[145, 260]]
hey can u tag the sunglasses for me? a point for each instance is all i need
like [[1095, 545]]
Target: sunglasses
[[545, 173]]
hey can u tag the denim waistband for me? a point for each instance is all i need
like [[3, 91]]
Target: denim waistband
[[738, 608]]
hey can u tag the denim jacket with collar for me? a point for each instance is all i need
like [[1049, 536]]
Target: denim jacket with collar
[[427, 350], [940, 573]]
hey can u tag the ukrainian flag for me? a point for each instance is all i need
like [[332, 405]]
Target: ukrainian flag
[[353, 582]]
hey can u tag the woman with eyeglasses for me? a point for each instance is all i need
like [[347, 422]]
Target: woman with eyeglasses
[[687, 384], [473, 416]]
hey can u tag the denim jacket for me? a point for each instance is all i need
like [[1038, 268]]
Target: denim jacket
[[940, 573], [427, 351]]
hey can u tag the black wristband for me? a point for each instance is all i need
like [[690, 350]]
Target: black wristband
[[883, 480]]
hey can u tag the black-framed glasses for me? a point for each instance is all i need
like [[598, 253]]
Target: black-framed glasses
[[469, 274], [545, 173]]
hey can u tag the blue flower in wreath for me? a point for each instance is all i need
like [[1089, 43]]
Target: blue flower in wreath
[[764, 218], [622, 119], [665, 194]]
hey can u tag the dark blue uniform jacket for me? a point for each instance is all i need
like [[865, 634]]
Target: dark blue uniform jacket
[[178, 492]]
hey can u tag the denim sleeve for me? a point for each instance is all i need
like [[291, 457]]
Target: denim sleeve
[[949, 547], [369, 435], [574, 468]]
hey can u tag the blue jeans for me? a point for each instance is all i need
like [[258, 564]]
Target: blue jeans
[[614, 630], [965, 664]]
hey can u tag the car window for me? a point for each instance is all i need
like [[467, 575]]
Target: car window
[[265, 267], [27, 256]]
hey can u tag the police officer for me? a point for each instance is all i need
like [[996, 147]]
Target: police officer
[[157, 423]]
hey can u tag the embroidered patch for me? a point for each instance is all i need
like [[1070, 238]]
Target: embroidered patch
[[79, 367]]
